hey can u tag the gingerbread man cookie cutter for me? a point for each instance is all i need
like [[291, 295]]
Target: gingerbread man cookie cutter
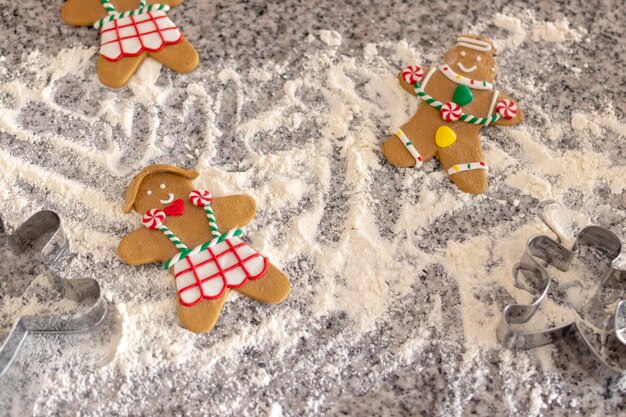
[[599, 332], [42, 234]]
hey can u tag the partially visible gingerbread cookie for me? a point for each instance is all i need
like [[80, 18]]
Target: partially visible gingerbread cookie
[[197, 237], [457, 99], [130, 31]]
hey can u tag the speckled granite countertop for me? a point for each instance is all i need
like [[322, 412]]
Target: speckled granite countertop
[[398, 279]]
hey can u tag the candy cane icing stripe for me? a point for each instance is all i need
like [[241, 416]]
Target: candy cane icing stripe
[[108, 6], [203, 199], [468, 118], [142, 9], [183, 254], [172, 237], [154, 219], [469, 166], [409, 146]]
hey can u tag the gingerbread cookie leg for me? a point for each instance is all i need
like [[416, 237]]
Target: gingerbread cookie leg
[[202, 317], [271, 288], [181, 57], [407, 148], [115, 74], [465, 165]]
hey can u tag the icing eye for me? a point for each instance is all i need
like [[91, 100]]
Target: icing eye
[[162, 186], [478, 59], [463, 53], [149, 192]]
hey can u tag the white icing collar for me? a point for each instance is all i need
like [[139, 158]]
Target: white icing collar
[[459, 79]]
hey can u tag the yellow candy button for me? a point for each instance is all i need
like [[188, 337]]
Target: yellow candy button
[[445, 137]]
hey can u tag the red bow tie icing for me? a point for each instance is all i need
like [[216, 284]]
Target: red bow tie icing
[[177, 208]]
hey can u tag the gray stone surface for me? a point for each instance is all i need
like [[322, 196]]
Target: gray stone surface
[[334, 367]]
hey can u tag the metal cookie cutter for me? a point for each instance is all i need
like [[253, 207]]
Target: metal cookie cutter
[[40, 242], [599, 330]]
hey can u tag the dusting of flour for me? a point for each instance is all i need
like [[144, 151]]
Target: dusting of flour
[[355, 246]]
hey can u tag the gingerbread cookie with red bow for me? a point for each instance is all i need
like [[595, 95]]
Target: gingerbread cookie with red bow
[[457, 99], [130, 31], [198, 238]]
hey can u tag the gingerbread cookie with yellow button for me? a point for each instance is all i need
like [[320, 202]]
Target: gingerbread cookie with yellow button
[[457, 99], [197, 238], [130, 31]]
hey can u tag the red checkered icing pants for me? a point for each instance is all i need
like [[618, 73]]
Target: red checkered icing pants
[[132, 35], [207, 274]]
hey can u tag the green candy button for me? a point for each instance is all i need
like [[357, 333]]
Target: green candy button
[[463, 95]]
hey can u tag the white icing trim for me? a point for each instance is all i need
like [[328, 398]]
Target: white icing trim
[[468, 82], [456, 168], [169, 200], [427, 77], [466, 70], [409, 146], [475, 44], [494, 100]]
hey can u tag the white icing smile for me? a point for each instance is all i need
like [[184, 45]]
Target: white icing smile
[[466, 70], [169, 200]]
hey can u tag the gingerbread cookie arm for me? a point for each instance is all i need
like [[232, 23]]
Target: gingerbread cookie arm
[[233, 211], [411, 73], [145, 246], [82, 12], [517, 119]]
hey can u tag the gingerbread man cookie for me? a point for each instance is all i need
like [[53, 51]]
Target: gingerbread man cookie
[[197, 237], [457, 100], [130, 31]]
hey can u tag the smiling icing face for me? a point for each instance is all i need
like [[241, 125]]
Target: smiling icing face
[[472, 57], [160, 190]]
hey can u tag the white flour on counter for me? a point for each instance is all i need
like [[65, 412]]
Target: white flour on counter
[[359, 246]]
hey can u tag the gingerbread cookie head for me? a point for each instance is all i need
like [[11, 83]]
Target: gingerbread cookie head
[[157, 186], [473, 57]]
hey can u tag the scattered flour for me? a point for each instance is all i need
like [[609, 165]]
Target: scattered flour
[[520, 26], [556, 32], [359, 273], [330, 37], [581, 122]]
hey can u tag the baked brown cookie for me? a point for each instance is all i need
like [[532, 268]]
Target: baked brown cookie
[[453, 108], [197, 237]]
